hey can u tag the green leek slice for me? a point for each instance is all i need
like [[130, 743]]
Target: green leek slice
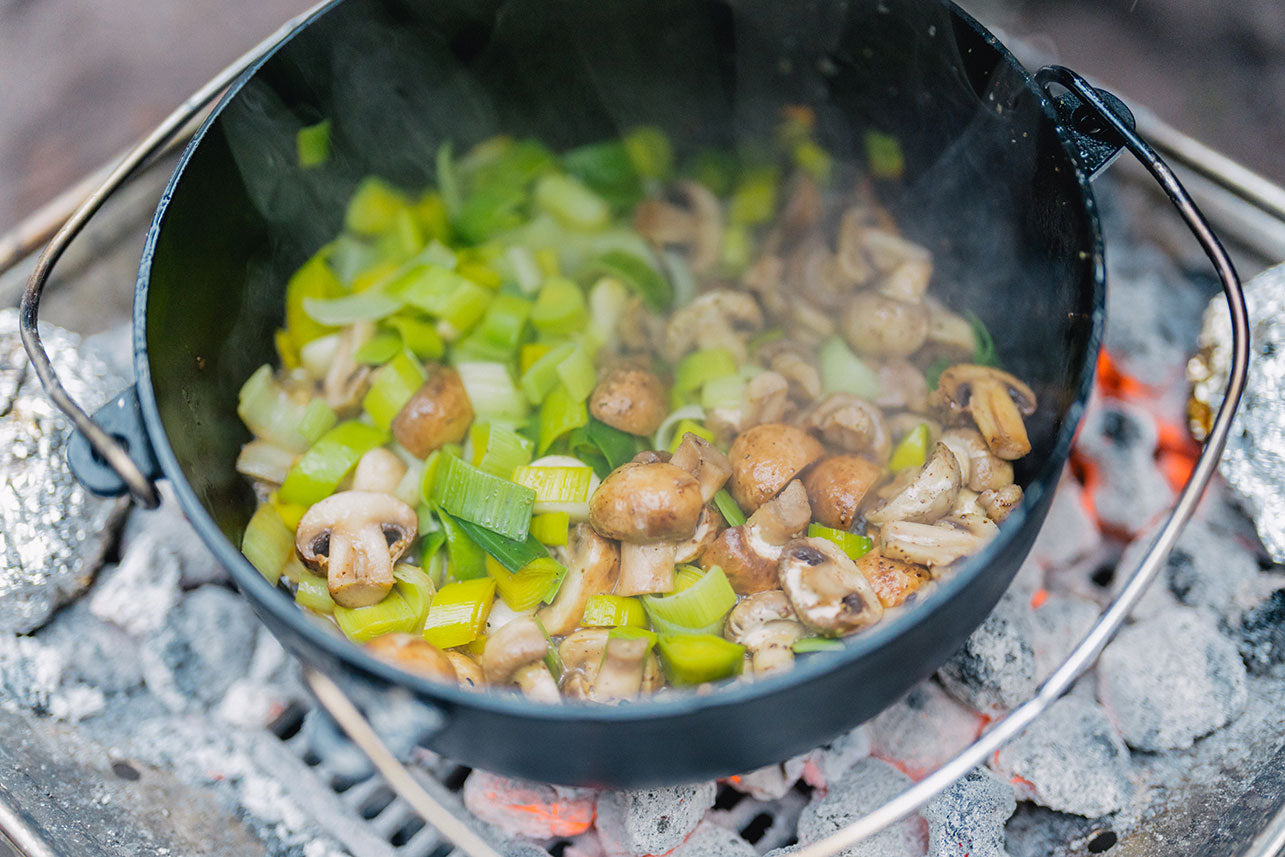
[[728, 508], [470, 494], [855, 546], [912, 450], [267, 542], [691, 659], [458, 612], [702, 605], [609, 611], [319, 471], [390, 616], [391, 387], [843, 371]]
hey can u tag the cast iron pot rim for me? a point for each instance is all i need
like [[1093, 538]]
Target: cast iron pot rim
[[269, 597]]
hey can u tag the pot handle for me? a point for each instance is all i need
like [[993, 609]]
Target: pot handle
[[106, 448], [1086, 652], [341, 708]]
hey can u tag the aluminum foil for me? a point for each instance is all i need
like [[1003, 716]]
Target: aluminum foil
[[53, 533], [1254, 463]]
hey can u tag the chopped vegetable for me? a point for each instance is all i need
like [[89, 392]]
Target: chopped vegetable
[[535, 582], [267, 543], [855, 546], [844, 371], [691, 659], [390, 616], [698, 608], [551, 528], [391, 387], [817, 644], [470, 494], [884, 156], [510, 553], [458, 612], [319, 471], [728, 509], [498, 449], [912, 451], [605, 611], [312, 144]]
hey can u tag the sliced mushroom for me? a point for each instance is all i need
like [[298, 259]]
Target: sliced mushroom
[[646, 504], [354, 537], [437, 414], [583, 654], [934, 545], [825, 588], [697, 229], [983, 470], [929, 495], [707, 530], [704, 462], [515, 655], [765, 459], [467, 671], [347, 380], [837, 486], [893, 581], [707, 248], [630, 399], [379, 470], [413, 654], [748, 554], [766, 400], [850, 423], [592, 566], [765, 624], [879, 326], [850, 255], [999, 503], [717, 319], [763, 279], [801, 374], [997, 402], [949, 331]]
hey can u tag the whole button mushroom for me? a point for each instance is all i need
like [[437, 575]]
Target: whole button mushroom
[[879, 326], [836, 486], [997, 402], [413, 654], [630, 399], [515, 654], [827, 591], [355, 537], [647, 504], [765, 459], [437, 414]]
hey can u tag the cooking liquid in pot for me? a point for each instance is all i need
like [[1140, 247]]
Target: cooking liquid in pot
[[592, 425]]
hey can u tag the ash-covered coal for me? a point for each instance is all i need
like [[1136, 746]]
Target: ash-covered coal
[[865, 786], [1262, 636], [994, 671], [967, 820], [923, 730], [1120, 439], [1171, 679], [651, 821]]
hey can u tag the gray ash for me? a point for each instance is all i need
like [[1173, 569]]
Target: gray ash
[[1262, 635]]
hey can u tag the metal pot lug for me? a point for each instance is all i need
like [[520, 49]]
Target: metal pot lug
[[1097, 143], [122, 419]]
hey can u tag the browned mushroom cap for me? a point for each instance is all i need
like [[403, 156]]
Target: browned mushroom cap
[[850, 423], [646, 503], [928, 496], [765, 459], [982, 469], [705, 462], [748, 554], [998, 504], [893, 580], [592, 565], [837, 485], [439, 413], [630, 399], [934, 545], [825, 588], [515, 654], [413, 654], [355, 537], [467, 671], [879, 326], [766, 625], [997, 402]]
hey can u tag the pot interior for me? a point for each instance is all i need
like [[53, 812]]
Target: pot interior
[[989, 186]]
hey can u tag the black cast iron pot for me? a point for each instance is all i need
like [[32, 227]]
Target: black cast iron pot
[[996, 184]]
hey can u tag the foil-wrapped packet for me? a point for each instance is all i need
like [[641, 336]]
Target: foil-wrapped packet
[[1254, 463], [53, 533]]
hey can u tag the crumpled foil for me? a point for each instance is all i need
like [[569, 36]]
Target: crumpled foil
[[53, 533], [1254, 462]]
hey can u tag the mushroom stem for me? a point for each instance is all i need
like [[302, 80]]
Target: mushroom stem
[[646, 569], [621, 673], [361, 572], [771, 646], [593, 563], [999, 420], [536, 682]]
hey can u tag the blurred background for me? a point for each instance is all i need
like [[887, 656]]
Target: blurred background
[[81, 79]]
